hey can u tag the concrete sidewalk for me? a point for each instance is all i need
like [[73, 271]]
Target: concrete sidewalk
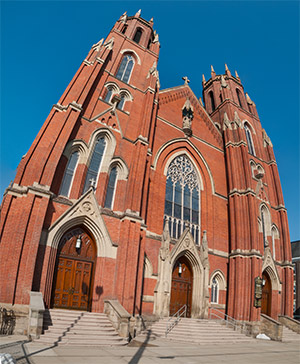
[[164, 351]]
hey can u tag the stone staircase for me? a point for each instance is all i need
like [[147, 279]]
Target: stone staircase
[[64, 327], [199, 331], [289, 335]]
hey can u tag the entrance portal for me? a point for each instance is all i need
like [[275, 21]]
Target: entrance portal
[[182, 286], [266, 295], [74, 271]]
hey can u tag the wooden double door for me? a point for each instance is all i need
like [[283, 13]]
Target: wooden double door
[[74, 271], [182, 286], [266, 299]]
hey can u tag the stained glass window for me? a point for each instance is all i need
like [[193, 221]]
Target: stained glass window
[[182, 199], [69, 173], [125, 68], [94, 167]]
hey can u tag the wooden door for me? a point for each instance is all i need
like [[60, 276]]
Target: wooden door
[[182, 286], [74, 272], [266, 295]]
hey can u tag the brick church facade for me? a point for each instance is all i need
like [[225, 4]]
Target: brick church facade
[[147, 196]]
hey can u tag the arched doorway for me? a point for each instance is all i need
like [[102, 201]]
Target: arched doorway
[[182, 286], [266, 295], [74, 271]]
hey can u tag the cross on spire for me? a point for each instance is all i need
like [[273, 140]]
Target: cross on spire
[[186, 80]]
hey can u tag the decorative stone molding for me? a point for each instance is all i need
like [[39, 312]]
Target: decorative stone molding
[[84, 212], [109, 44], [153, 71], [199, 263], [96, 47], [187, 115], [270, 267]]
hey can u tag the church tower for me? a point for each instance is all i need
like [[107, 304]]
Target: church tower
[[259, 236], [80, 160]]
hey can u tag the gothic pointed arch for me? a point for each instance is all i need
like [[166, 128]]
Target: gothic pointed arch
[[198, 260], [84, 212], [270, 267], [177, 146]]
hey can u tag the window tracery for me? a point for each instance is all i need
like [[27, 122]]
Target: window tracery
[[182, 199]]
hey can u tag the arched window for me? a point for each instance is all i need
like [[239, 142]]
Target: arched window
[[212, 101], [124, 29], [137, 36], [265, 223], [121, 102], [125, 68], [69, 174], [239, 97], [214, 296], [274, 235], [111, 187], [249, 140], [221, 98], [182, 201], [108, 94], [94, 167]]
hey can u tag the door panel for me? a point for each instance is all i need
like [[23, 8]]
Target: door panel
[[72, 284]]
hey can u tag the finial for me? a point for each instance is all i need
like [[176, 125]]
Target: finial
[[213, 73], [203, 78], [201, 102], [123, 17], [186, 80], [138, 13], [212, 69], [236, 75], [228, 73], [249, 101], [151, 20]]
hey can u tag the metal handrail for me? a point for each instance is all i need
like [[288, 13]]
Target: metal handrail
[[177, 316], [228, 320]]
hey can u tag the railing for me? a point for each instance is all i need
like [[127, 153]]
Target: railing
[[173, 320], [228, 320], [7, 321]]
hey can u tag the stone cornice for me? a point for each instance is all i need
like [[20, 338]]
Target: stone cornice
[[36, 189], [245, 253], [235, 191], [235, 144], [73, 105]]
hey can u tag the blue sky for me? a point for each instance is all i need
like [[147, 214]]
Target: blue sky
[[44, 42]]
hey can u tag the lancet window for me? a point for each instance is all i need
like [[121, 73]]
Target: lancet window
[[69, 174], [182, 202], [214, 296], [94, 167], [111, 186], [249, 140], [125, 68]]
